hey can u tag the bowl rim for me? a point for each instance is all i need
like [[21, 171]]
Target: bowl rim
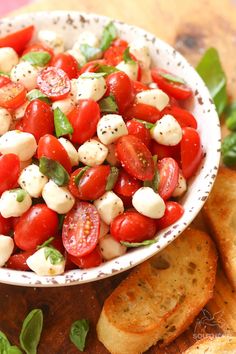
[[113, 267]]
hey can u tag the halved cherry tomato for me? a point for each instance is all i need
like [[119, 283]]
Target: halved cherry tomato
[[138, 87], [135, 157], [67, 63], [126, 185], [9, 171], [38, 47], [18, 40], [84, 119], [183, 117], [81, 229], [12, 95], [114, 54], [92, 184], [92, 66], [168, 175], [142, 111], [191, 152], [54, 83], [173, 212], [38, 119], [120, 85], [139, 130], [18, 261], [5, 225], [177, 90], [133, 227], [93, 259], [4, 80], [165, 151], [35, 227], [51, 148]]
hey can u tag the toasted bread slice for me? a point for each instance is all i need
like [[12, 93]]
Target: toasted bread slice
[[218, 345], [161, 297], [220, 215]]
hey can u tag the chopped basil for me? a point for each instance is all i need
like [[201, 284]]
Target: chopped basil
[[61, 218], [78, 333], [20, 194], [37, 94], [154, 183], [13, 350], [147, 124], [2, 73], [6, 347], [137, 244], [229, 150], [31, 331], [37, 58], [54, 255], [108, 104], [80, 174], [127, 57], [230, 112], [54, 170], [211, 71], [112, 178], [89, 75], [172, 78], [107, 69], [46, 243], [89, 52], [108, 35], [62, 124]]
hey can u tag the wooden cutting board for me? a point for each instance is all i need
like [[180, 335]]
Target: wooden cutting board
[[190, 26]]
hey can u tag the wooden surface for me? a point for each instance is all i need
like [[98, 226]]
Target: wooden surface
[[190, 26]]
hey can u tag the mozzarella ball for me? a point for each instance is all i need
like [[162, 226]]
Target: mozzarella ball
[[181, 186], [86, 37], [167, 131], [20, 143], [79, 57], [131, 69], [9, 206], [109, 205], [6, 249], [26, 74], [58, 198], [155, 98], [5, 120], [90, 86], [141, 52], [146, 77], [41, 264], [8, 58], [32, 180], [110, 127], [110, 248], [104, 229], [52, 39], [111, 156], [20, 111], [92, 153], [71, 151], [148, 203], [65, 105], [153, 85]]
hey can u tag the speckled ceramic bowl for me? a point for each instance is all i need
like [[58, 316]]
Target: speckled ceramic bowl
[[69, 24]]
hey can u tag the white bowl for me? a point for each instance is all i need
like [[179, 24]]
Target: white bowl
[[69, 24]]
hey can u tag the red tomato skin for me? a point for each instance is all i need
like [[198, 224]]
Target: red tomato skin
[[133, 227], [67, 63], [138, 87], [35, 227], [81, 229], [143, 112], [114, 54], [18, 261], [173, 212], [4, 80], [92, 66], [5, 225], [168, 175], [9, 171], [18, 40], [191, 152], [120, 85], [12, 95], [165, 151], [51, 148], [84, 119], [139, 130], [38, 119], [93, 259], [126, 185], [183, 117]]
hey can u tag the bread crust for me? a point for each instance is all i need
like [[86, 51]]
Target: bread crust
[[221, 345]]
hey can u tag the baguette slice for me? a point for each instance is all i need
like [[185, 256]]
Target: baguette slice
[[218, 345], [219, 213], [161, 297]]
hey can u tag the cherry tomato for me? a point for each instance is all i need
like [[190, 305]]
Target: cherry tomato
[[93, 259], [173, 212], [51, 148], [168, 175], [173, 102], [12, 95], [114, 54], [138, 87], [38, 47], [165, 151], [67, 63], [177, 90], [81, 229], [143, 112], [92, 184], [54, 83], [133, 227], [120, 85], [191, 151], [139, 130], [135, 157], [126, 185], [5, 225], [35, 227], [183, 117], [18, 261], [127, 201], [38, 119], [4, 80], [18, 40], [118, 42], [84, 119], [9, 171], [92, 66]]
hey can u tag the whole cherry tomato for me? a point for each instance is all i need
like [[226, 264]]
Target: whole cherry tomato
[[5, 225], [139, 130], [143, 112], [168, 177], [9, 171], [183, 117], [126, 185], [18, 261], [138, 87], [93, 259], [173, 212], [165, 151], [67, 63], [12, 95], [17, 40], [92, 66]]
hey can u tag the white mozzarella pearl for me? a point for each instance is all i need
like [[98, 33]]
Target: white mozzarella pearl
[[32, 180], [58, 198], [92, 153], [71, 151], [10, 207], [52, 39], [109, 205], [8, 58], [110, 248], [6, 249], [5, 120], [155, 98], [26, 74], [42, 265], [20, 143], [167, 131], [148, 203], [110, 127]]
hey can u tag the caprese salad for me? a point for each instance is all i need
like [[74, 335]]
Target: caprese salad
[[95, 149]]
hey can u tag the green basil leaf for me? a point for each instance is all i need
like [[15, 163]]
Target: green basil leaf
[[108, 104], [108, 35], [127, 58], [62, 124], [138, 244], [31, 331], [20, 194], [37, 94], [147, 124], [112, 178], [230, 109], [231, 122], [4, 343], [107, 69], [211, 71], [154, 183], [54, 255], [89, 52], [89, 75], [80, 174], [172, 78], [2, 73], [46, 243], [78, 333], [229, 150], [13, 350], [61, 218], [54, 170], [37, 58]]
